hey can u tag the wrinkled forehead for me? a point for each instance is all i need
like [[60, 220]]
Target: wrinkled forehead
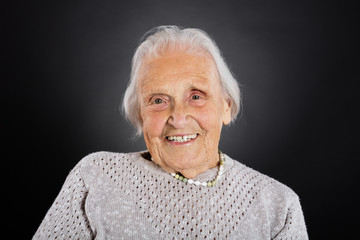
[[179, 65]]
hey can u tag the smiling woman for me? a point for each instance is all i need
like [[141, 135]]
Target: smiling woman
[[181, 98], [180, 95]]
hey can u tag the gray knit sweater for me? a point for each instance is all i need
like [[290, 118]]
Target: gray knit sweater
[[124, 196]]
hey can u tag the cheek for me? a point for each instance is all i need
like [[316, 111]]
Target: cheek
[[208, 119], [153, 123]]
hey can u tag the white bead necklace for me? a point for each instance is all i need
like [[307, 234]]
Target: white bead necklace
[[180, 177]]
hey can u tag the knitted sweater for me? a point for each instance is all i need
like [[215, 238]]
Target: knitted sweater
[[124, 196]]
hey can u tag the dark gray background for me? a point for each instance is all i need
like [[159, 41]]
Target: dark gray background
[[69, 64]]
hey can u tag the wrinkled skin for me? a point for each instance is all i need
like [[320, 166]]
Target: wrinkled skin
[[180, 94]]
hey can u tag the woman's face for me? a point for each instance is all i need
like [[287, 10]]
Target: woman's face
[[182, 109]]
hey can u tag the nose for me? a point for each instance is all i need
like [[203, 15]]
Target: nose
[[179, 117]]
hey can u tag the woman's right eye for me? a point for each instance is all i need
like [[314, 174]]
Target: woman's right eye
[[158, 101]]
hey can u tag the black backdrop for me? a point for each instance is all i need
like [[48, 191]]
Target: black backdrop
[[67, 65]]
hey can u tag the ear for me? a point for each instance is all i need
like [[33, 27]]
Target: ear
[[227, 112]]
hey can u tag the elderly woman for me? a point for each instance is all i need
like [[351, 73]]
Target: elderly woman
[[180, 94]]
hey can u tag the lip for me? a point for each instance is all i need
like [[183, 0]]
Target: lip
[[181, 143]]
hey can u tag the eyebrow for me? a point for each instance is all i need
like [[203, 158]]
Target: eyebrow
[[198, 86], [157, 91], [163, 90]]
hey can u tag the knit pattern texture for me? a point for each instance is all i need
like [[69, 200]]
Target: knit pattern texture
[[124, 196]]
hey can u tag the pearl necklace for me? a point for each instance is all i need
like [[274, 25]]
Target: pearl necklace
[[180, 177]]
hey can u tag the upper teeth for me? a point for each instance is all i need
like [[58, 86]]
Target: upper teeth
[[182, 138]]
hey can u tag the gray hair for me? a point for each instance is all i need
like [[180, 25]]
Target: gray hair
[[172, 37]]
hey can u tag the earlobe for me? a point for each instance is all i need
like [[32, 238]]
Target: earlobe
[[227, 112]]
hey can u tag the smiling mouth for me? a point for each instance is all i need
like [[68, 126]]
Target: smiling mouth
[[182, 139]]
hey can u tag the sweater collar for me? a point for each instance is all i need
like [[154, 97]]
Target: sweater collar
[[142, 160]]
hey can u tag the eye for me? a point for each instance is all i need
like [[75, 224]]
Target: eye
[[195, 97], [158, 101]]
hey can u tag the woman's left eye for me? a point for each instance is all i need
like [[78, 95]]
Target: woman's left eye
[[195, 97]]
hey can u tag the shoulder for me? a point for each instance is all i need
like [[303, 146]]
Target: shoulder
[[276, 204], [266, 188], [265, 196], [101, 166], [106, 158]]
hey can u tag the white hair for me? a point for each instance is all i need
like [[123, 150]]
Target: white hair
[[162, 38]]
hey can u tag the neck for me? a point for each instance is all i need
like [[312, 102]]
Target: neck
[[191, 173]]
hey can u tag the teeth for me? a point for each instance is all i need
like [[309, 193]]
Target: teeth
[[182, 138]]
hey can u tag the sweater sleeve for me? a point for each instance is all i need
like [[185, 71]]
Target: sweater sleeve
[[66, 218], [294, 224]]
